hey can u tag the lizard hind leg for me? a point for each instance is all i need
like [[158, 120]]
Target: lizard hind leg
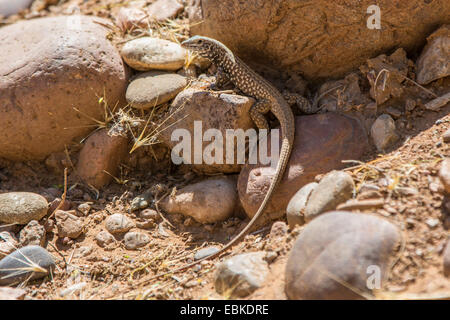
[[300, 103], [257, 112]]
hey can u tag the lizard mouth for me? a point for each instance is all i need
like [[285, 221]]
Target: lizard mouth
[[190, 46]]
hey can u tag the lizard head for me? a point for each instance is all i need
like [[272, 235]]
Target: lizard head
[[207, 47]]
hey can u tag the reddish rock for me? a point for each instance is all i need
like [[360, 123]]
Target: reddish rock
[[320, 38], [51, 67], [321, 142], [101, 152], [212, 111], [433, 63]]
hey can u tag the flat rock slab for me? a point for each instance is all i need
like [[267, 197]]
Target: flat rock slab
[[22, 207], [341, 255], [15, 266], [321, 39], [51, 67], [321, 142], [153, 88]]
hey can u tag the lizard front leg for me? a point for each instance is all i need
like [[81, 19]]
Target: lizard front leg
[[221, 79]]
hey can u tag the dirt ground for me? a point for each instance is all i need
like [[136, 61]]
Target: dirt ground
[[118, 273]]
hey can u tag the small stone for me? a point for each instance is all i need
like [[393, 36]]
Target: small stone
[[55, 203], [130, 18], [32, 234], [296, 207], [240, 275], [134, 240], [270, 256], [371, 109], [22, 207], [207, 201], [141, 202], [435, 187], [432, 222], [147, 53], [84, 208], [8, 243], [394, 112], [83, 251], [407, 191], [68, 224], [150, 214], [7, 293], [15, 267], [410, 105], [56, 162], [8, 7], [446, 136], [335, 188], [447, 259], [165, 9], [205, 252], [279, 229], [191, 284], [383, 132], [49, 225], [444, 175], [145, 224], [118, 223], [100, 157], [154, 88], [353, 204], [104, 238], [336, 253], [72, 289], [433, 63]]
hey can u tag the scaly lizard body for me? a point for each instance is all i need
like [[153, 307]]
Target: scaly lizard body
[[268, 99]]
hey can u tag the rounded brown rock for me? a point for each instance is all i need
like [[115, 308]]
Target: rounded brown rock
[[321, 143], [52, 67]]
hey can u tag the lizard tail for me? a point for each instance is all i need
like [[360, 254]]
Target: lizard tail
[[281, 167]]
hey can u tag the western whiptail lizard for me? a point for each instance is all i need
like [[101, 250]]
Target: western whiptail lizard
[[268, 98]]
